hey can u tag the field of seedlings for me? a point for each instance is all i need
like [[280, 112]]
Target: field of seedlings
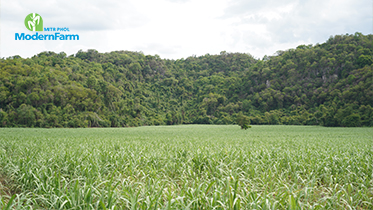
[[187, 167]]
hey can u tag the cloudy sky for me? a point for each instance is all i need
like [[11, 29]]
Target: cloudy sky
[[180, 28]]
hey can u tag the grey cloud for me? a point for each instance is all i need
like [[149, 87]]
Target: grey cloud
[[308, 21], [318, 22]]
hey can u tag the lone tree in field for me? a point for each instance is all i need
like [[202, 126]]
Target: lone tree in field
[[243, 121]]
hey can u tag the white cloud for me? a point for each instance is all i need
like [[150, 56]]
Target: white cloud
[[77, 14], [181, 28], [289, 23]]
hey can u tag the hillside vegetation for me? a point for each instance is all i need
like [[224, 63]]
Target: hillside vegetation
[[328, 84]]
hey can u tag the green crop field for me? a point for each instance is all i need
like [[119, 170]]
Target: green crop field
[[187, 167]]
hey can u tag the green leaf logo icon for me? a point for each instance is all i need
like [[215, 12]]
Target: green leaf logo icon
[[34, 22]]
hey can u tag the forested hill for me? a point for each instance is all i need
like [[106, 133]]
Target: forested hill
[[328, 84]]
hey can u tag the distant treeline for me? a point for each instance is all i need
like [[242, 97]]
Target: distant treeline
[[329, 84]]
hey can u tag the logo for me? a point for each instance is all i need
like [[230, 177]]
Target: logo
[[34, 22]]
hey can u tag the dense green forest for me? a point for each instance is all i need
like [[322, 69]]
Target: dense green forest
[[329, 84]]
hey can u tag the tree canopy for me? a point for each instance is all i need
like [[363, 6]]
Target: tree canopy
[[327, 84]]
